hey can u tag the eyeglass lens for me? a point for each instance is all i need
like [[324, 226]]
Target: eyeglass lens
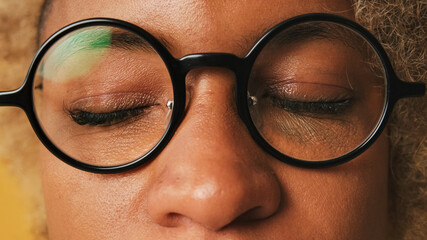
[[104, 96], [317, 91]]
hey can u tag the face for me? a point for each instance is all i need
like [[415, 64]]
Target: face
[[212, 181]]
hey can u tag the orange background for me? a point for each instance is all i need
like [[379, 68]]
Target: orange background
[[15, 222]]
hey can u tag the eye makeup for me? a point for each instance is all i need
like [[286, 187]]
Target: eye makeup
[[109, 109]]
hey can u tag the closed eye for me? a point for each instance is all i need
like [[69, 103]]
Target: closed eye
[[106, 119], [313, 107]]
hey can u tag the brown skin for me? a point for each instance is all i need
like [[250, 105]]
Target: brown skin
[[212, 181]]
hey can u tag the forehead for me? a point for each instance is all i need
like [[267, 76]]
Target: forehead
[[191, 26]]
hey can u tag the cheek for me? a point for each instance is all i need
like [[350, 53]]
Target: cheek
[[346, 201], [77, 202]]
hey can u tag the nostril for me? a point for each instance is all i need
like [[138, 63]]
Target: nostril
[[250, 215], [254, 214], [213, 203], [174, 220]]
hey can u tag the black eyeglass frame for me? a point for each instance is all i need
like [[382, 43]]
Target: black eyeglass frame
[[178, 69]]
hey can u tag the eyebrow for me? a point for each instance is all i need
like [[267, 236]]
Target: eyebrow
[[130, 41], [297, 34], [312, 31], [318, 31]]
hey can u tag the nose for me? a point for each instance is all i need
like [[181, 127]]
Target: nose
[[212, 173]]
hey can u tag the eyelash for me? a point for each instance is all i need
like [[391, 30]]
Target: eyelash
[[105, 119], [325, 107]]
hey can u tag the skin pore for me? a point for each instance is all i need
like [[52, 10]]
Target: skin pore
[[212, 181]]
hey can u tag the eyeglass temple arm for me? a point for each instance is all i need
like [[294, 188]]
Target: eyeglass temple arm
[[410, 89], [11, 98]]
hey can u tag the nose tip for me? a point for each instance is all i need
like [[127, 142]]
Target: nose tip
[[213, 203]]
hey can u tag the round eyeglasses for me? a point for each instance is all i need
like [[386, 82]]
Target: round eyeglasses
[[105, 96]]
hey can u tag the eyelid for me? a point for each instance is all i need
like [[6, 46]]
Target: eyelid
[[318, 107], [300, 70], [308, 91], [111, 101], [105, 119]]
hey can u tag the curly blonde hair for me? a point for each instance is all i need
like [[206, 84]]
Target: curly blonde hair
[[398, 24]]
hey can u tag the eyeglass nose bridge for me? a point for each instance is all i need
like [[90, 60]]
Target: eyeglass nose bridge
[[182, 66], [224, 60]]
